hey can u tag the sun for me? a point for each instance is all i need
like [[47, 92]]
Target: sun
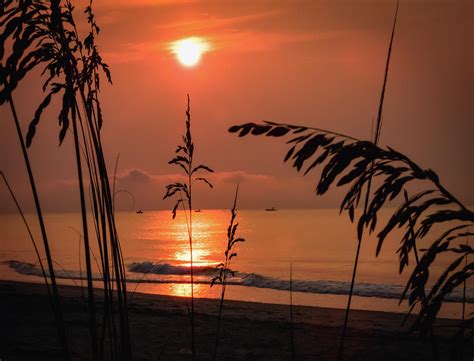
[[189, 51]]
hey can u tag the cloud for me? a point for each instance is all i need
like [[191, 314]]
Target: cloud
[[136, 176], [213, 23], [231, 41], [147, 189], [141, 177], [131, 52], [251, 31], [252, 41], [145, 3]]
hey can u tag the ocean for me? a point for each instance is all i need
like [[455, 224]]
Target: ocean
[[319, 243]]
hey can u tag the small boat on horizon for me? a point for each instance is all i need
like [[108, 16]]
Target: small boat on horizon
[[139, 211], [197, 210], [273, 209]]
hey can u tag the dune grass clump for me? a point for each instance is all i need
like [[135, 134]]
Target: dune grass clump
[[223, 268], [183, 192], [43, 35]]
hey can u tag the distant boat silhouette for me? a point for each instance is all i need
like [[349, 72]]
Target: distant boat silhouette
[[139, 211], [273, 209], [198, 210]]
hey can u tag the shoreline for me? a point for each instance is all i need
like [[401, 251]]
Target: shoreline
[[246, 293], [251, 330]]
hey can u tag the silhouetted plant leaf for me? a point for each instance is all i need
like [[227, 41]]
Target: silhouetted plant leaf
[[289, 154], [64, 116], [32, 127], [175, 208], [203, 167], [204, 180], [277, 132], [261, 130]]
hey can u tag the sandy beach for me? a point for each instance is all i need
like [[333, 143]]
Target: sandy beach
[[251, 331]]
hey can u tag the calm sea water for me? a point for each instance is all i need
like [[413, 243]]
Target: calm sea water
[[319, 243]]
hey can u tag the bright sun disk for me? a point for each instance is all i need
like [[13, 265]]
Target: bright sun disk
[[189, 51]]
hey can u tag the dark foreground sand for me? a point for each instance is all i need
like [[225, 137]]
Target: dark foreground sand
[[251, 331]]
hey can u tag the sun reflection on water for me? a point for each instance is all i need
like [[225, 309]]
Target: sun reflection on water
[[180, 289], [200, 257], [171, 238]]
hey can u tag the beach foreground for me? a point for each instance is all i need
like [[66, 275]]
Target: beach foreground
[[251, 331]]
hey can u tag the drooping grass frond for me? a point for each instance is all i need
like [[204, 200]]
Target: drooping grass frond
[[345, 161]]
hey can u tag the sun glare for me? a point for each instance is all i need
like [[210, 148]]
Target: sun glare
[[189, 51]]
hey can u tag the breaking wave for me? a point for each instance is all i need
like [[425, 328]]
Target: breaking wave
[[149, 272], [169, 269]]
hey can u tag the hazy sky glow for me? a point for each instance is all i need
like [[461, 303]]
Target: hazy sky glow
[[316, 63]]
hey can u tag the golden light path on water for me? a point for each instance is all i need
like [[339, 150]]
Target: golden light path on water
[[208, 239]]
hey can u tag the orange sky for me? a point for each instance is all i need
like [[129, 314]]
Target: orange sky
[[317, 63]]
